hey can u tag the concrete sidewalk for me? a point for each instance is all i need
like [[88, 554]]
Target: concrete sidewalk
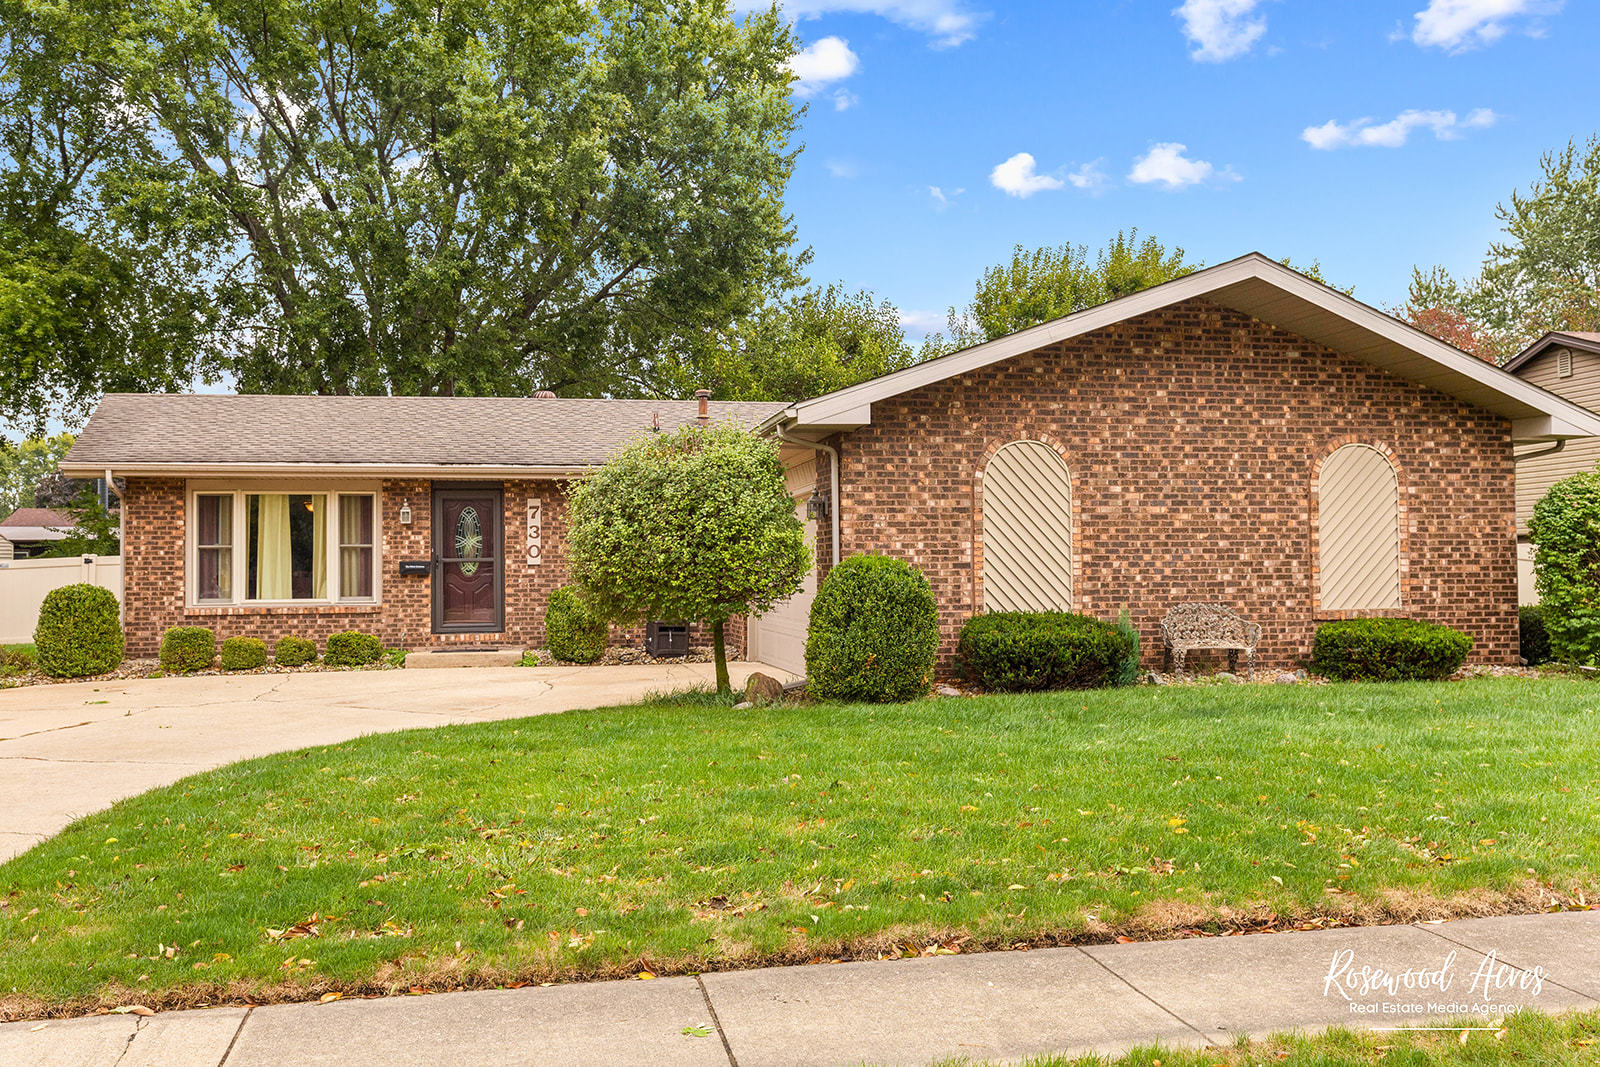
[[995, 1006], [71, 749]]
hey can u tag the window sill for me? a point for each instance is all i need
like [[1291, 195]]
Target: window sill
[[308, 608]]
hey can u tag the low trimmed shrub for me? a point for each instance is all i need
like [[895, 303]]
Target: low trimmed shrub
[[79, 632], [874, 632], [188, 648], [1018, 651], [294, 651], [243, 653], [1388, 650], [572, 630], [352, 648], [1535, 640]]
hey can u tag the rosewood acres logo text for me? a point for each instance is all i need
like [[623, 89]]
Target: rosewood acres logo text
[[1423, 991]]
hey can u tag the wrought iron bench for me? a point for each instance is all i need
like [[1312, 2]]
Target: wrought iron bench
[[1209, 626]]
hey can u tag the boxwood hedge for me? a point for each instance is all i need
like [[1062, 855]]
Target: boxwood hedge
[[1388, 650]]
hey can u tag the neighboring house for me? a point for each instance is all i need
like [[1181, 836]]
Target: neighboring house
[[31, 531], [1568, 365], [1241, 435]]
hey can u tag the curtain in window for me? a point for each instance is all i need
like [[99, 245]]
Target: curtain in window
[[319, 547], [274, 563], [355, 546]]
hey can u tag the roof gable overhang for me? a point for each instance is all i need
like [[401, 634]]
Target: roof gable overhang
[[1553, 339], [1266, 290]]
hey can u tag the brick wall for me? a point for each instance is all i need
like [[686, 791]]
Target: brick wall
[[1192, 435], [154, 585]]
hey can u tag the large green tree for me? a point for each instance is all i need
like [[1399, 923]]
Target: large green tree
[[1042, 284], [799, 344], [24, 464], [1544, 274], [696, 525], [459, 196]]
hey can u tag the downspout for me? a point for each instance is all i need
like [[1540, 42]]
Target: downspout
[[833, 471], [1552, 450], [122, 548]]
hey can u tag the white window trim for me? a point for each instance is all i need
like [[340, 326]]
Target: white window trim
[[238, 491]]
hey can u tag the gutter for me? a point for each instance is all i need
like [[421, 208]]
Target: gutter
[[122, 548], [334, 470], [833, 472]]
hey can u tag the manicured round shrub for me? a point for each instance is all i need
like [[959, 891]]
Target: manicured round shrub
[[1535, 639], [352, 648], [1566, 568], [294, 651], [572, 630], [874, 632], [243, 653], [79, 632], [1388, 650], [1017, 651], [188, 648]]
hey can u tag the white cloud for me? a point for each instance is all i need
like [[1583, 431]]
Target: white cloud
[[1089, 177], [844, 100], [1017, 177], [1221, 29], [842, 168], [943, 198], [1166, 165], [1364, 133], [1457, 25], [947, 22], [824, 62], [918, 324]]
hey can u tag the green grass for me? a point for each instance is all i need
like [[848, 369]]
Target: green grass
[[1527, 1037], [681, 835]]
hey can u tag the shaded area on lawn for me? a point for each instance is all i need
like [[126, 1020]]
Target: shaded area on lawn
[[683, 835]]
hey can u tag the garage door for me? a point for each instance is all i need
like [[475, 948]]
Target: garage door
[[778, 638]]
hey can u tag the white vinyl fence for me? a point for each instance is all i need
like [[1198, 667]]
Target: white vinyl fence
[[24, 583]]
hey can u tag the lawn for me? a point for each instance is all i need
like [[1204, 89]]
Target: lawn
[[678, 836], [1524, 1038]]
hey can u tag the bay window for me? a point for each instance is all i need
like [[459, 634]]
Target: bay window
[[283, 546]]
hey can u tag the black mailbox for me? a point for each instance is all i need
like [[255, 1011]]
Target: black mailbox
[[664, 639], [416, 566]]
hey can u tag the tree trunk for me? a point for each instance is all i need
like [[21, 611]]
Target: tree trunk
[[719, 652]]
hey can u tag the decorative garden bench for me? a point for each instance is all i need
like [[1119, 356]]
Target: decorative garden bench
[[1209, 626]]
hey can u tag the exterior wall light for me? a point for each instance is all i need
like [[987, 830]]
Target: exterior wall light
[[405, 513], [817, 508]]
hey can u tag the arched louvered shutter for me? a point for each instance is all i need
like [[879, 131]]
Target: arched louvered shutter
[[1358, 530], [1027, 530]]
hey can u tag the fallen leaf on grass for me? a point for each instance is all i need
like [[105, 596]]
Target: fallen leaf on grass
[[329, 998], [132, 1009], [645, 976]]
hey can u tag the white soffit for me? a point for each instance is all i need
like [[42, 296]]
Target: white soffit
[[1267, 290]]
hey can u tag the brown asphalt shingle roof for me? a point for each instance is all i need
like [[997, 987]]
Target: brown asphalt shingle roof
[[135, 429], [36, 517]]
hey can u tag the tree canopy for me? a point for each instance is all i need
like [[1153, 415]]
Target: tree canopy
[[1543, 275], [468, 197], [23, 465], [696, 524]]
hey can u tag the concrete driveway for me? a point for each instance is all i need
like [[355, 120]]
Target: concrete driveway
[[68, 750]]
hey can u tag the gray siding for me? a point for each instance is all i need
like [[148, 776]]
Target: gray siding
[[1537, 474]]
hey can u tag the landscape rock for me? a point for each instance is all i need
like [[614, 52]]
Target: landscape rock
[[742, 705], [948, 691], [762, 689], [1286, 679], [1224, 676]]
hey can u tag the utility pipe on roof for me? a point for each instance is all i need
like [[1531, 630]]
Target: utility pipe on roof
[[833, 471]]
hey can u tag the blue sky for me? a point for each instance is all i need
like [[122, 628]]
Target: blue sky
[[1372, 135]]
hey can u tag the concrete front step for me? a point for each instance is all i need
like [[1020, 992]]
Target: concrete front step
[[465, 657]]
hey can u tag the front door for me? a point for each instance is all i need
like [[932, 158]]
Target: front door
[[468, 575]]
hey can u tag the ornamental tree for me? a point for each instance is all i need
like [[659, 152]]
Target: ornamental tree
[[1565, 529], [693, 525]]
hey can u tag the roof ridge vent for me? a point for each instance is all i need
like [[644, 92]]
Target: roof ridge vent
[[544, 394]]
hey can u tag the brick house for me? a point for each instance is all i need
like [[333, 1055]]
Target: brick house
[[1242, 435]]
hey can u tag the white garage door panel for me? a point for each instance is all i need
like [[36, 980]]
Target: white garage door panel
[[778, 638]]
